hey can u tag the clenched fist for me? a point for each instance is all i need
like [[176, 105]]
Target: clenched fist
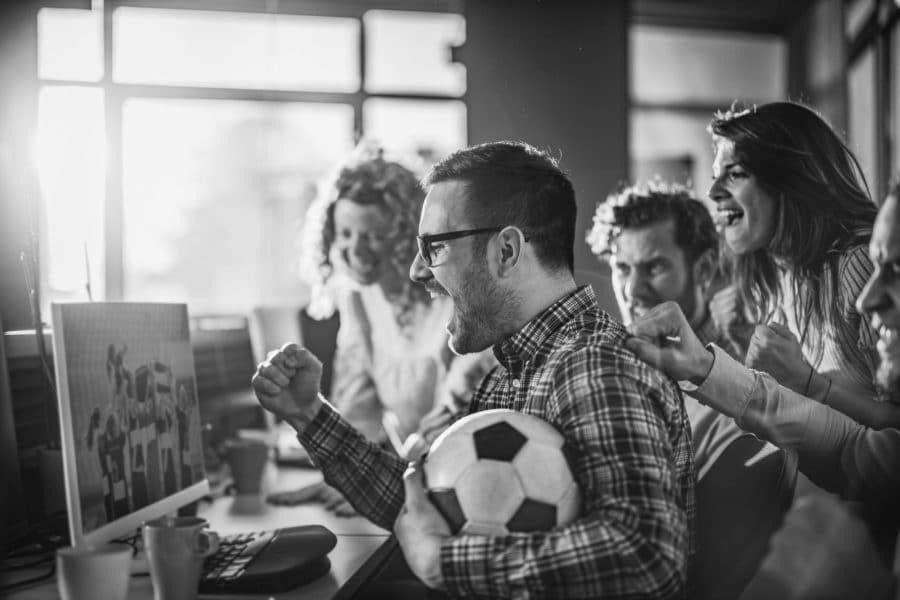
[[776, 351], [287, 384]]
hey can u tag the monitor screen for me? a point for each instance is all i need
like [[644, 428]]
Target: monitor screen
[[129, 417]]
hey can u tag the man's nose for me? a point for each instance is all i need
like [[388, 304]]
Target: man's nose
[[634, 284], [418, 270], [873, 297]]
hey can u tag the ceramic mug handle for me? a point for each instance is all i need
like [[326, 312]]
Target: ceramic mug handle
[[206, 542]]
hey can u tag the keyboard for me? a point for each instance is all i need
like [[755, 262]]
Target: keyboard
[[268, 561]]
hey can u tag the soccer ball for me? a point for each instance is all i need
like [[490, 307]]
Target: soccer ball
[[500, 471]]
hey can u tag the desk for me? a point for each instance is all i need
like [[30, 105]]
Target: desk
[[361, 545]]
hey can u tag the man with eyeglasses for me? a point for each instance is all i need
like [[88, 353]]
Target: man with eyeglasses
[[496, 236]]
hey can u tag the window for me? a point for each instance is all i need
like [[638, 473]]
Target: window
[[872, 66], [179, 167], [679, 79]]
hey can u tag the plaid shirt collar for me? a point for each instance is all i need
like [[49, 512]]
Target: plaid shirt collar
[[523, 345]]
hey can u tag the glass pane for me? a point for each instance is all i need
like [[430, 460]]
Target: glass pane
[[678, 65], [673, 145], [861, 121], [391, 65], [214, 196], [70, 152], [418, 131], [70, 44], [238, 50], [856, 13]]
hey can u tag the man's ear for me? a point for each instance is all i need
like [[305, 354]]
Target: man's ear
[[510, 245], [704, 270]]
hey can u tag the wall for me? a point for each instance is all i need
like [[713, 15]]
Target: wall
[[18, 114], [554, 74]]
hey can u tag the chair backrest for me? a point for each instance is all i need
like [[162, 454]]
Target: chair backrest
[[320, 337], [741, 502], [272, 326]]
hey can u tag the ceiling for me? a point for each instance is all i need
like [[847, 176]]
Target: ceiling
[[761, 16]]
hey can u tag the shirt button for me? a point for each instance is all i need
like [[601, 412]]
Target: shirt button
[[516, 383]]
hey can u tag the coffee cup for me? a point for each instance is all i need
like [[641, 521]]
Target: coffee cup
[[176, 548], [247, 460], [96, 572]]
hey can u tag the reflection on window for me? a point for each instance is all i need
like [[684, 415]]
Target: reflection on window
[[677, 65], [70, 155], [420, 131], [214, 194], [235, 50], [672, 144], [69, 44], [410, 52], [861, 121]]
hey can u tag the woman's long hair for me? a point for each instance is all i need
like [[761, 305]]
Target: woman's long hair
[[369, 180], [823, 208]]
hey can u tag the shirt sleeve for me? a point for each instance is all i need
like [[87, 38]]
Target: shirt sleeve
[[369, 477], [835, 452], [632, 539]]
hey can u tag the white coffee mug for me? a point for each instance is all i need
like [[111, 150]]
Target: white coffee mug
[[94, 572], [176, 548]]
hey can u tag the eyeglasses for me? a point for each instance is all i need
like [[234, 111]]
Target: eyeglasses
[[426, 249]]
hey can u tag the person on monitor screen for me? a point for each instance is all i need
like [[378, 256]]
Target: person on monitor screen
[[184, 413], [661, 244], [121, 381], [496, 238], [107, 435]]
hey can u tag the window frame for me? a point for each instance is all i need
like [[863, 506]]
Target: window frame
[[876, 33], [116, 94]]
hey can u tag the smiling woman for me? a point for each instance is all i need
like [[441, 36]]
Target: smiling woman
[[795, 212], [359, 242]]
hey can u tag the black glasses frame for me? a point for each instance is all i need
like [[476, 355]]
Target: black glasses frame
[[425, 241]]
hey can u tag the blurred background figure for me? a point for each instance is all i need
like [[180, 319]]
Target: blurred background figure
[[392, 357], [661, 244], [795, 212], [392, 347]]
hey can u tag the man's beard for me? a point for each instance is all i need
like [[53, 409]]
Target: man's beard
[[888, 378], [485, 315]]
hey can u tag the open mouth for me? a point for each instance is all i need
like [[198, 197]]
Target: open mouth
[[728, 217]]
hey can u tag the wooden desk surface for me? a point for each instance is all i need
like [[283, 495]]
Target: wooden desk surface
[[358, 540]]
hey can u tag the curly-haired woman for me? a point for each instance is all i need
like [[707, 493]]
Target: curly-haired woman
[[392, 358]]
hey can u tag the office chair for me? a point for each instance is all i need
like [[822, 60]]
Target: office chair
[[741, 502]]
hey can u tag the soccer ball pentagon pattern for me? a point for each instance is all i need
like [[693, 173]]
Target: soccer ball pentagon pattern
[[500, 471]]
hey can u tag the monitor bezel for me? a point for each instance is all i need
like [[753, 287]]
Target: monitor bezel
[[131, 522]]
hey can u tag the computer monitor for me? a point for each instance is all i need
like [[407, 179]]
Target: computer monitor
[[129, 416]]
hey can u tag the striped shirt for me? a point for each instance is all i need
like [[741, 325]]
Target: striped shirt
[[631, 455], [848, 355]]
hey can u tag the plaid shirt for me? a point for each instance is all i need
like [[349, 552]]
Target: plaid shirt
[[631, 456]]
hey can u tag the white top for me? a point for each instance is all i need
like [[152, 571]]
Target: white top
[[379, 365]]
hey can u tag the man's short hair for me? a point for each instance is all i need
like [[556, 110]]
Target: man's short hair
[[513, 183], [650, 203]]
